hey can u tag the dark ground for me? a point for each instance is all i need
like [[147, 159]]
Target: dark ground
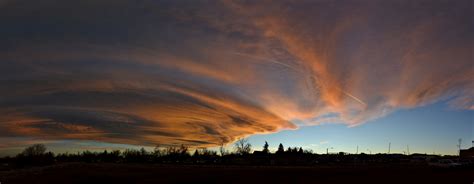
[[148, 173]]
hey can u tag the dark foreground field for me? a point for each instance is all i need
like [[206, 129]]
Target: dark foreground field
[[144, 173]]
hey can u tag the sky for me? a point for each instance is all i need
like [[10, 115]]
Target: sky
[[105, 74]]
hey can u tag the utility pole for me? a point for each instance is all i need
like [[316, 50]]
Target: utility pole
[[357, 150], [459, 146], [389, 144], [408, 150], [327, 150]]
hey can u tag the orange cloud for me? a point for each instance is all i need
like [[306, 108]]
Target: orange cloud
[[384, 68]]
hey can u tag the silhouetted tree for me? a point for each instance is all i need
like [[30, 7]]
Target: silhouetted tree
[[196, 153], [291, 150], [281, 149], [35, 155], [143, 152], [243, 147], [222, 150], [132, 155], [207, 153], [300, 151], [34, 150], [114, 156], [183, 150], [294, 150], [171, 150], [157, 152], [265, 148]]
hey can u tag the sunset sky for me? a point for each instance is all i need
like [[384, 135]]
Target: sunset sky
[[116, 74]]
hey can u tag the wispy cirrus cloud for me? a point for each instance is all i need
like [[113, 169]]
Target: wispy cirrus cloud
[[204, 73]]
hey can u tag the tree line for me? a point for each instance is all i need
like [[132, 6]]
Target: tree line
[[37, 154]]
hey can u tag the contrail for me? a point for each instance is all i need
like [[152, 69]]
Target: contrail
[[269, 60], [353, 97], [297, 70], [344, 92]]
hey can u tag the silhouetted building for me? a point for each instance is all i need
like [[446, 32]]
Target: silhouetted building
[[467, 153]]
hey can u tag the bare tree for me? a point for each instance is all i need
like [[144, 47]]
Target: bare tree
[[222, 150], [242, 147], [34, 150], [157, 152], [183, 149]]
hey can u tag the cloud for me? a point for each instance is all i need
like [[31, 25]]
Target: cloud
[[368, 59], [202, 73]]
